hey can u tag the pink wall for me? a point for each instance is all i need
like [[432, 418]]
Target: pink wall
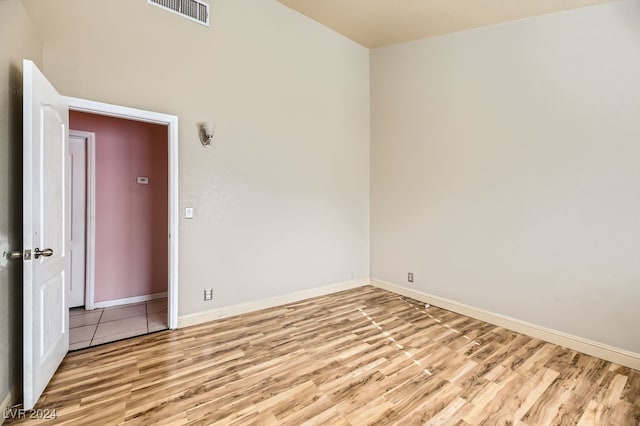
[[131, 219]]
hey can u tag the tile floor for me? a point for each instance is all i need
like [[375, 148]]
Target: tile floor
[[91, 328]]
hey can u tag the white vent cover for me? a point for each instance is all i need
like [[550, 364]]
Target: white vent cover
[[194, 10]]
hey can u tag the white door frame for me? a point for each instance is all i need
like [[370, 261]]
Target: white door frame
[[171, 121], [90, 216]]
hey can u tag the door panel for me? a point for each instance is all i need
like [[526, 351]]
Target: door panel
[[46, 226], [78, 202], [52, 322], [52, 193]]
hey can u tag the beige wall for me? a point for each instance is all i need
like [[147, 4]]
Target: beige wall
[[281, 200], [504, 160], [18, 40], [506, 172]]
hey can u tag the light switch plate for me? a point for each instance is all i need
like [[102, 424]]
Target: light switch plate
[[188, 213]]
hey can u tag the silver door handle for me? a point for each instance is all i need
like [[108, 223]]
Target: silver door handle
[[46, 252]]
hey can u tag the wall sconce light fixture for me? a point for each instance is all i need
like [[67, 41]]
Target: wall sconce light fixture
[[206, 137]]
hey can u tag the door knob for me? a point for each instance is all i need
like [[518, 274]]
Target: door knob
[[46, 252]]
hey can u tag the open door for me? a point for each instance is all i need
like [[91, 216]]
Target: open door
[[46, 232]]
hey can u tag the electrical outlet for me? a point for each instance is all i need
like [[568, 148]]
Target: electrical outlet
[[410, 277], [208, 294]]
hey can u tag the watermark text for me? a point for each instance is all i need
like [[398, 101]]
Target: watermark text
[[19, 413]]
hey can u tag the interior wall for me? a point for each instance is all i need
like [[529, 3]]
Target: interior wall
[[18, 40], [281, 199], [505, 173], [131, 251]]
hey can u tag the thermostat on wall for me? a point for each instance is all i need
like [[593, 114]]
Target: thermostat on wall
[[142, 180]]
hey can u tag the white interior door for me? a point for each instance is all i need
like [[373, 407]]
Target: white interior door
[[46, 232], [77, 239]]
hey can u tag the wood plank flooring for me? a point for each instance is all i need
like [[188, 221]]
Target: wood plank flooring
[[364, 356]]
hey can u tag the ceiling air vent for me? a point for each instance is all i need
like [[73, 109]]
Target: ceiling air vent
[[194, 10]]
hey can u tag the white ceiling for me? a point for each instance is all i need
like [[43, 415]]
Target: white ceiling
[[376, 23]]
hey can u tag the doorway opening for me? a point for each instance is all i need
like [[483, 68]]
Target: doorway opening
[[119, 221], [123, 253]]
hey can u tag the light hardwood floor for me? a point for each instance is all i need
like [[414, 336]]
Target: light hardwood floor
[[364, 356]]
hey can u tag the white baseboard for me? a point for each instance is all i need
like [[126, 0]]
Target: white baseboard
[[229, 311], [7, 402], [128, 300], [589, 347]]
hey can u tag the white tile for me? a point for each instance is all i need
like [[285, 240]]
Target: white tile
[[79, 345], [78, 311], [159, 305], [112, 328], [87, 318], [157, 321], [119, 336], [129, 311], [80, 334]]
